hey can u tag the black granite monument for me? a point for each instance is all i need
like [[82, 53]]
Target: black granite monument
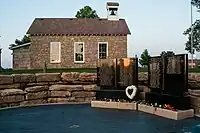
[[114, 75], [168, 80]]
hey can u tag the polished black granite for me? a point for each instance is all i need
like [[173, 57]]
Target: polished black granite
[[84, 119]]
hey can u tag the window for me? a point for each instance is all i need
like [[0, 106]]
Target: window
[[103, 50], [79, 52], [55, 52]]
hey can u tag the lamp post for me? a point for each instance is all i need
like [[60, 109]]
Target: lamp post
[[0, 57], [192, 28]]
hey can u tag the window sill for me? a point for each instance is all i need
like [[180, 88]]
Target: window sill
[[79, 62], [55, 62]]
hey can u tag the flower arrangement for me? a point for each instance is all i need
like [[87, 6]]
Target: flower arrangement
[[163, 106], [117, 100]]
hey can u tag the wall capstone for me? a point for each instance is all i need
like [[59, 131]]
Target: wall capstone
[[48, 77], [6, 79]]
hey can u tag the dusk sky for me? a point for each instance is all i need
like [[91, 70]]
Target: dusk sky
[[155, 25]]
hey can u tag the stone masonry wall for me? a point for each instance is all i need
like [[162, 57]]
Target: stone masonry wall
[[42, 88], [40, 50], [21, 58], [72, 87]]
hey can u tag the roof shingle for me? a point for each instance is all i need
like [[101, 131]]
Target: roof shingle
[[81, 26]]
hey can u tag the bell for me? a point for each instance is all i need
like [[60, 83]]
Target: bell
[[112, 12]]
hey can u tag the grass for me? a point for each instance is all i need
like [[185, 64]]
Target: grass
[[60, 70], [55, 70]]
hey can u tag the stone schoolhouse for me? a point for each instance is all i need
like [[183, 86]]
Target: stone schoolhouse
[[73, 42]]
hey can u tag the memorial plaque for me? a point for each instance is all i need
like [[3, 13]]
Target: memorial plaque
[[127, 72], [155, 71], [114, 75], [168, 80], [175, 81], [106, 73]]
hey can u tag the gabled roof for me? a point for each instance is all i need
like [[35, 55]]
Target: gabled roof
[[78, 26]]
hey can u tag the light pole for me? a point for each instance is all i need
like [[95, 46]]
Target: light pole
[[0, 57], [192, 28]]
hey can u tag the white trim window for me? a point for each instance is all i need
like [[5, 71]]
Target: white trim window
[[79, 52], [55, 52], [102, 50]]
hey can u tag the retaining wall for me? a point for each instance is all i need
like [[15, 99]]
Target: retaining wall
[[42, 88], [72, 87]]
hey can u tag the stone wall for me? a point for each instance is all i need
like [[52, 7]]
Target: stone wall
[[21, 58], [40, 50], [72, 87], [42, 88]]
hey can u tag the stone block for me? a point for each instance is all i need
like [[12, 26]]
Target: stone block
[[36, 89], [88, 77], [16, 78], [61, 100], [196, 109], [37, 84], [34, 102], [27, 78], [60, 94], [114, 105], [12, 99], [193, 84], [89, 87], [55, 83], [89, 99], [80, 94], [11, 92], [195, 101], [70, 76], [194, 76], [13, 104], [48, 77], [6, 79], [24, 78], [66, 88], [79, 100], [194, 92], [37, 95], [10, 86]]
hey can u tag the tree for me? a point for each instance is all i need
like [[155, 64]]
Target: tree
[[144, 61], [25, 39], [168, 53], [86, 12], [193, 32], [195, 37], [196, 3]]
